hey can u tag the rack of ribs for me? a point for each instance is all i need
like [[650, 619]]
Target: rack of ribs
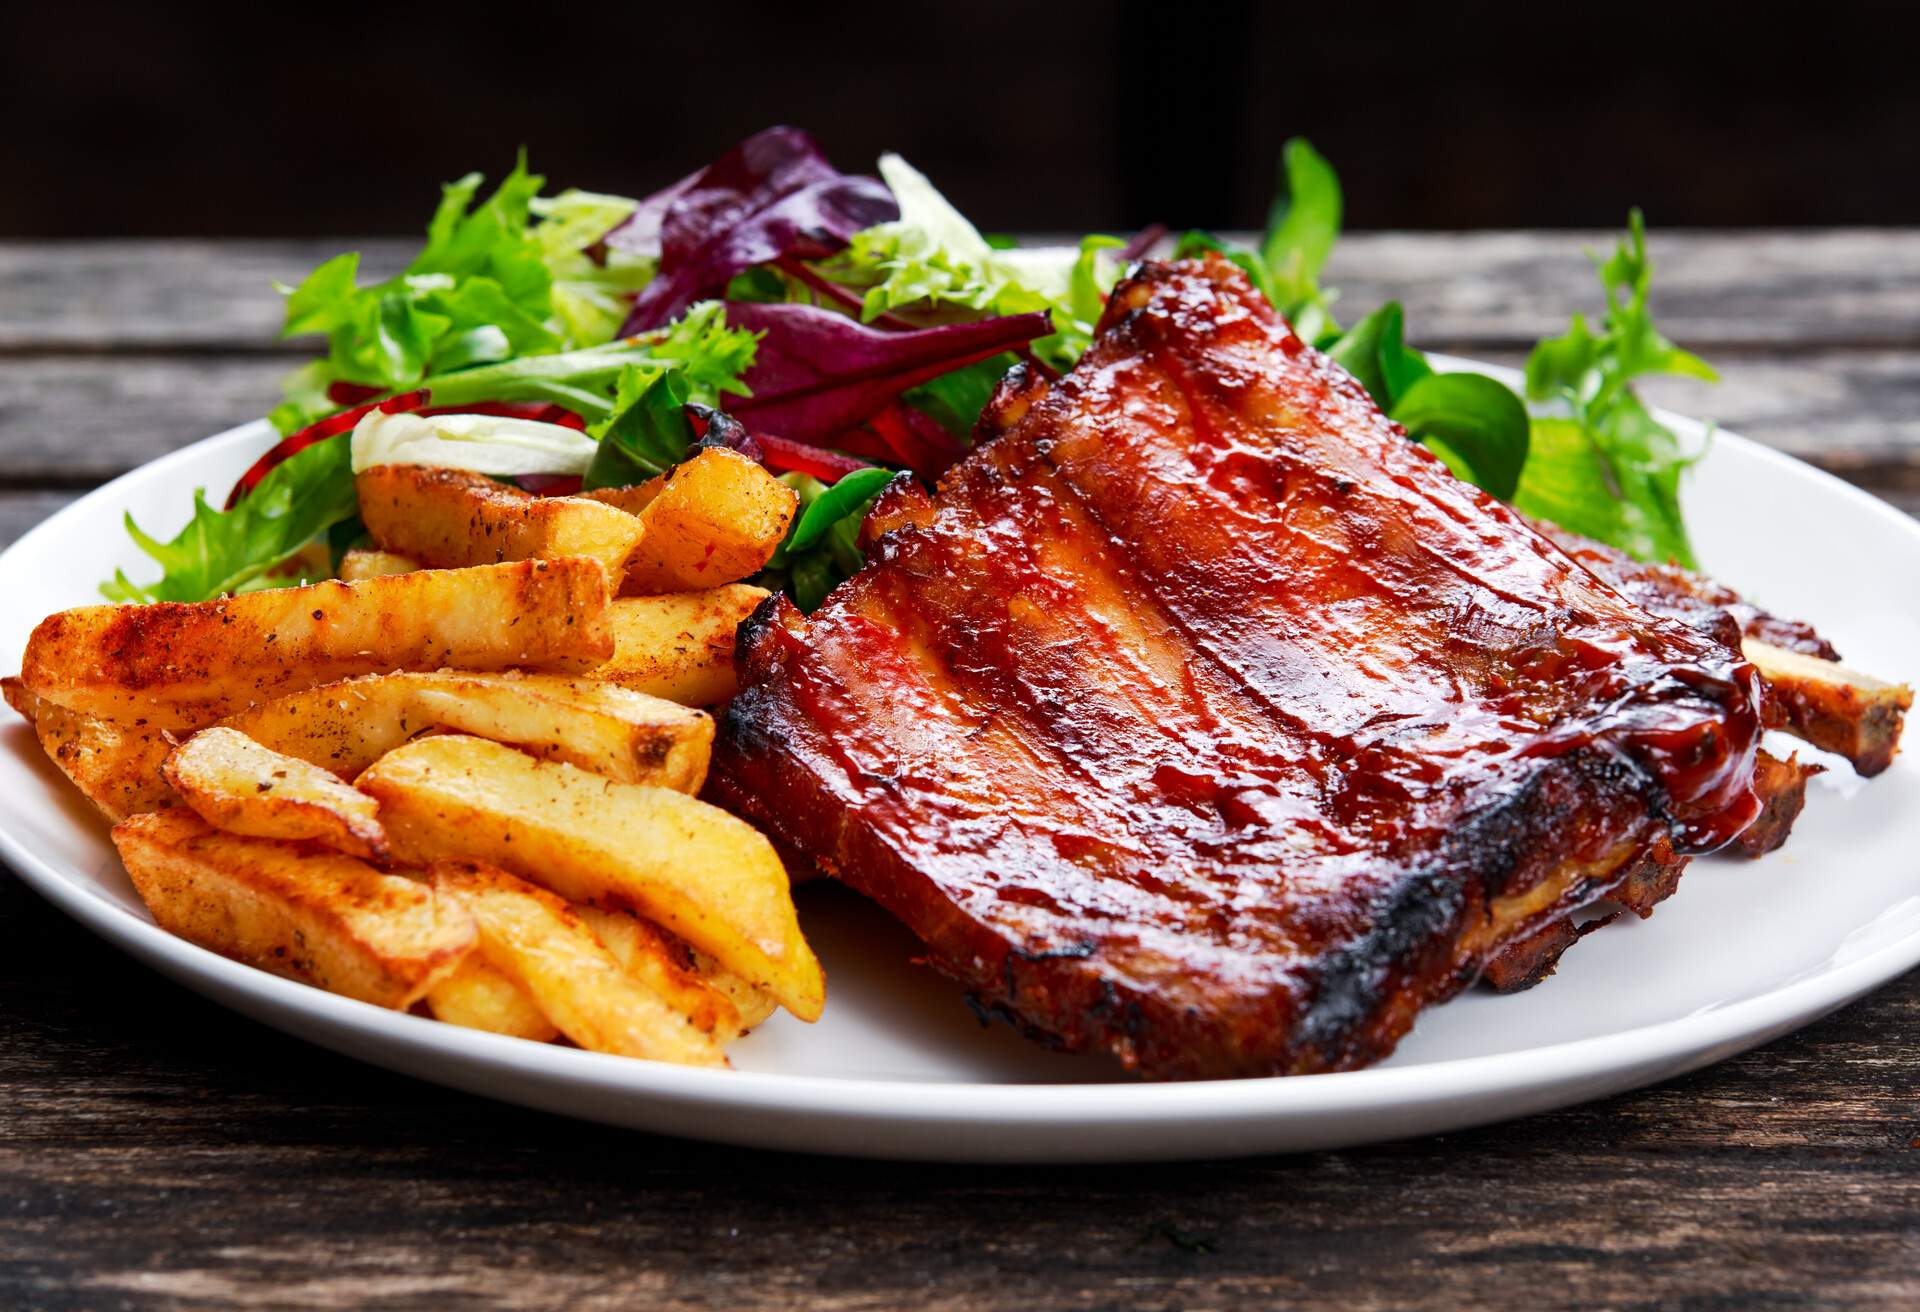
[[1202, 719]]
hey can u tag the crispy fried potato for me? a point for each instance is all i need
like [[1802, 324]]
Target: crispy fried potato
[[753, 1003], [664, 965], [679, 645], [235, 784], [600, 727], [116, 766], [534, 938], [362, 563], [693, 869], [212, 658], [481, 998], [345, 727], [326, 919], [341, 727], [709, 520], [449, 517]]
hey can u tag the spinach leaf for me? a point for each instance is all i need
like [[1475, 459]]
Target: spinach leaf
[[1475, 420], [648, 433]]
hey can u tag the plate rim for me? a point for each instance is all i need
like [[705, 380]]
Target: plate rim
[[1663, 1049]]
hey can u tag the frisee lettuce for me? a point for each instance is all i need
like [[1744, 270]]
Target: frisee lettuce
[[222, 551], [932, 260], [506, 278]]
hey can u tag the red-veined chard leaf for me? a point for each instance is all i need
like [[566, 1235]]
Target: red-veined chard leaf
[[817, 373], [772, 197]]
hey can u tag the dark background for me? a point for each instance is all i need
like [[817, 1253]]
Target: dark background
[[136, 119]]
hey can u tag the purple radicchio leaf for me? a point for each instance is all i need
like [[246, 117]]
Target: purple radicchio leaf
[[818, 373], [772, 197]]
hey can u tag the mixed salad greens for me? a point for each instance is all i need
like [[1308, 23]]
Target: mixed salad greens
[[839, 329]]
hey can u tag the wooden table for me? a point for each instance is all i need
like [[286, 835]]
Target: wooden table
[[158, 1151]]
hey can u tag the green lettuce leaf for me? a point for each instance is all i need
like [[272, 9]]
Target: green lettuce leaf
[[1302, 226], [1475, 424], [647, 433], [500, 279], [830, 515], [223, 551], [1611, 470], [700, 346], [592, 283], [931, 265]]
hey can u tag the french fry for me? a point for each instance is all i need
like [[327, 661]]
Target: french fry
[[709, 520], [600, 727], [327, 919], [235, 784], [535, 939], [345, 727], [698, 872], [753, 1003], [341, 727], [481, 998], [450, 517], [116, 766], [213, 658], [361, 563], [664, 965], [679, 645]]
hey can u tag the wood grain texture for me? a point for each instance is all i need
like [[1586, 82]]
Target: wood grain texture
[[1842, 287], [158, 1151]]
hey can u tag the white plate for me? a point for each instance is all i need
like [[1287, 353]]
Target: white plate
[[1745, 952]]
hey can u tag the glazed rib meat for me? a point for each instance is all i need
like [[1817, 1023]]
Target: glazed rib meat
[[1810, 694], [1203, 719]]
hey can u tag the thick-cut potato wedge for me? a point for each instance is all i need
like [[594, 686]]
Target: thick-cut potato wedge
[[481, 998], [116, 766], [600, 727], [314, 916], [235, 784], [222, 656], [345, 727], [1836, 709], [679, 645], [362, 563], [693, 869], [709, 520], [534, 938], [341, 727], [450, 517], [753, 1003], [663, 964]]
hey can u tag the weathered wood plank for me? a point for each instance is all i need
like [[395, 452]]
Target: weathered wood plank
[[230, 1167], [1711, 291], [20, 511], [1846, 286], [175, 295], [87, 418], [90, 417]]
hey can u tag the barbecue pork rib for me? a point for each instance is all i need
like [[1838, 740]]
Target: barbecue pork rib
[[1810, 694], [1204, 719]]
